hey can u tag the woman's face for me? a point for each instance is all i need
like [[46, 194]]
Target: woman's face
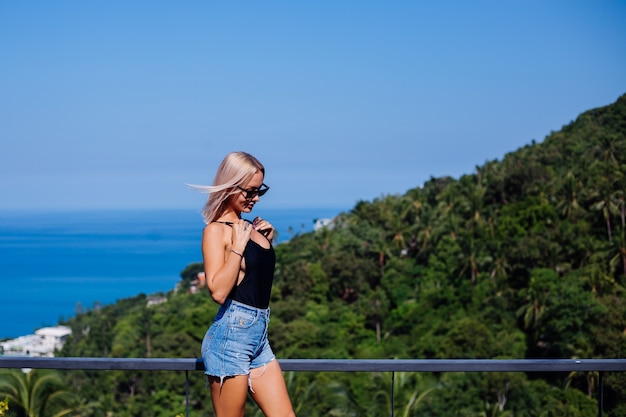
[[240, 200]]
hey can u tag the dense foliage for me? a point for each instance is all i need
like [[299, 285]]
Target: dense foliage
[[524, 258]]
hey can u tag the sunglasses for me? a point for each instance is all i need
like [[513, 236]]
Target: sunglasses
[[250, 194]]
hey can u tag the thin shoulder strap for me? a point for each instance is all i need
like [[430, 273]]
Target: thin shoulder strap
[[226, 223], [230, 223]]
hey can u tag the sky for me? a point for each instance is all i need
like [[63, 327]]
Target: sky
[[120, 104]]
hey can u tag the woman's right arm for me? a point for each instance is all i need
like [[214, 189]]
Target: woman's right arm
[[221, 264]]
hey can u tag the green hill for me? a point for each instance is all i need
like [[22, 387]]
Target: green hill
[[524, 258]]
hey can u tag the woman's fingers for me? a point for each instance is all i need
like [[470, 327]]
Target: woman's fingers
[[241, 231], [263, 226]]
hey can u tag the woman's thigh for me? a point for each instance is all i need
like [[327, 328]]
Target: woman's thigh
[[269, 390], [229, 398]]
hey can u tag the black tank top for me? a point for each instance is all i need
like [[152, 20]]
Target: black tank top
[[256, 286]]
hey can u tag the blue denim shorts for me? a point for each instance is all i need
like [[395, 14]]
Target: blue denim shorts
[[237, 341]]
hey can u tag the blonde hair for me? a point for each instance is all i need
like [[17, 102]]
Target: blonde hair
[[236, 169]]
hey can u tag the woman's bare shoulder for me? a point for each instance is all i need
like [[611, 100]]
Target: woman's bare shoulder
[[216, 231], [215, 228]]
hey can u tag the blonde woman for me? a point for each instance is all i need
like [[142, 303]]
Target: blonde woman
[[239, 265]]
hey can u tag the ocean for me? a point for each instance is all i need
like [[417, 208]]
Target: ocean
[[54, 264]]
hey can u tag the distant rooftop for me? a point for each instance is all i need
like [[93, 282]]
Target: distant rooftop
[[43, 343], [58, 331]]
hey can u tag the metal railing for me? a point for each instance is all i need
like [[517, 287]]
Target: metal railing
[[334, 365]]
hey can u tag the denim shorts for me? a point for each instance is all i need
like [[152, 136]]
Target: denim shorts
[[237, 341]]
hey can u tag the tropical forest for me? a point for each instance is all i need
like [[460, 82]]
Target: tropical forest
[[524, 258]]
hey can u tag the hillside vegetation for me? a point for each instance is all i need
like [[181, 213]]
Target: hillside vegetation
[[524, 258]]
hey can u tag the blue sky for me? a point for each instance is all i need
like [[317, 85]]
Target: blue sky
[[118, 104]]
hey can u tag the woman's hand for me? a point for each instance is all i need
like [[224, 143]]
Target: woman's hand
[[242, 230], [264, 227]]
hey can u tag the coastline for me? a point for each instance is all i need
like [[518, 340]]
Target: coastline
[[54, 263]]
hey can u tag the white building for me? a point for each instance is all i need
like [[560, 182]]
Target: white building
[[322, 223], [155, 301], [43, 343]]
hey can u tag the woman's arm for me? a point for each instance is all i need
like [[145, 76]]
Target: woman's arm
[[221, 249]]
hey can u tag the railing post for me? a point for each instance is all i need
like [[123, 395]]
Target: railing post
[[393, 396], [186, 393], [600, 393]]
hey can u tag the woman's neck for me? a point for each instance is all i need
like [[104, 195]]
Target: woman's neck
[[229, 216]]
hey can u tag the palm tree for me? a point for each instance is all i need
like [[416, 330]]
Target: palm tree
[[591, 377], [468, 260], [607, 149], [493, 410], [607, 206], [471, 201], [499, 263], [409, 389], [569, 203], [619, 197], [597, 273], [36, 393], [426, 229], [536, 295], [619, 256]]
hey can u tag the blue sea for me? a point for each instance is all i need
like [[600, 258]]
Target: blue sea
[[53, 264]]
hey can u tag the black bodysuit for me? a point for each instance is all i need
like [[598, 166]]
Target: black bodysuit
[[256, 286]]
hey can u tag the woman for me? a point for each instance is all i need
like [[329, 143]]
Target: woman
[[239, 265]]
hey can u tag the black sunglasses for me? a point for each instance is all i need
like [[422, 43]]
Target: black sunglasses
[[250, 194]]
